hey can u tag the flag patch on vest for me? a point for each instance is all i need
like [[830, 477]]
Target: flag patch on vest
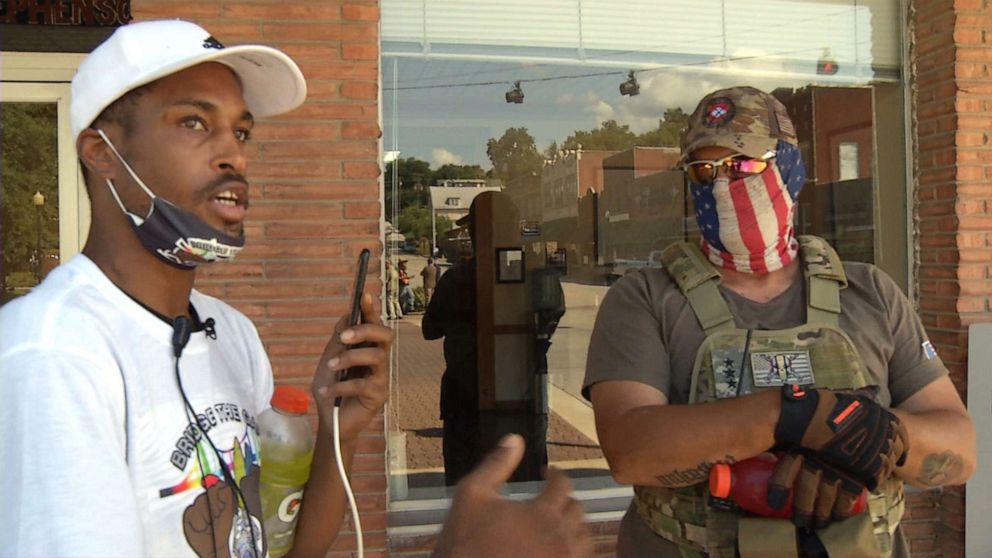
[[929, 351], [776, 368]]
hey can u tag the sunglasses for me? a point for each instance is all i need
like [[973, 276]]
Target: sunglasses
[[736, 166]]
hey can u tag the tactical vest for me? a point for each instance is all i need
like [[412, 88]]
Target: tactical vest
[[818, 354]]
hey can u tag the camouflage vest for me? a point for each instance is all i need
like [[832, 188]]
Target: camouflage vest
[[817, 353]]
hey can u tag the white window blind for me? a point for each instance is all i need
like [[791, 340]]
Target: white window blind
[[862, 36]]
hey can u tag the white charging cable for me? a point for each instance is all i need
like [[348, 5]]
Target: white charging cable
[[346, 482]]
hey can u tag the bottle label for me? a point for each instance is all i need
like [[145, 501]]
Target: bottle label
[[290, 506]]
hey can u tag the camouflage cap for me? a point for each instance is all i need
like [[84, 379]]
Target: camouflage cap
[[744, 119]]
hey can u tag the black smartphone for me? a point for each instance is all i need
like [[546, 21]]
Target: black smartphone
[[359, 289], [355, 317]]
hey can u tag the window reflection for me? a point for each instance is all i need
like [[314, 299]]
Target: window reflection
[[29, 227], [585, 172], [835, 127], [588, 212]]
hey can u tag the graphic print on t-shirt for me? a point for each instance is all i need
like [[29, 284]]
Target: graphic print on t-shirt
[[216, 523]]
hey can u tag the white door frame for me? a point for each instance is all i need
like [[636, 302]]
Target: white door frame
[[44, 78]]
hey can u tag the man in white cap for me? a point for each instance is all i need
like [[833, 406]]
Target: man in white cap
[[131, 398]]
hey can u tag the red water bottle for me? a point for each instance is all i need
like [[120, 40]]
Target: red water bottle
[[745, 483]]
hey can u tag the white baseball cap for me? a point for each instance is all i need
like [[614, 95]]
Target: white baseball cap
[[140, 53]]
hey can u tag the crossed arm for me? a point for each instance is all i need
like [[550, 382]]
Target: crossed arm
[[651, 443], [941, 437]]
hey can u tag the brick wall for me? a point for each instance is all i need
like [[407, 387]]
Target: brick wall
[[314, 196], [952, 84]]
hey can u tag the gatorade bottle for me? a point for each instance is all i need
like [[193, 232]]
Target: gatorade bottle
[[745, 483], [286, 450]]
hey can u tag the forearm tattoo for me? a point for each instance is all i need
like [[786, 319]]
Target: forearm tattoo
[[940, 469], [699, 473]]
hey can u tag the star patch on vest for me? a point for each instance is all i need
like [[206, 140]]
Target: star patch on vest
[[776, 368], [726, 372], [718, 112]]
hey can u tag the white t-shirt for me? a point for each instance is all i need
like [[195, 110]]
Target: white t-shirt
[[97, 456]]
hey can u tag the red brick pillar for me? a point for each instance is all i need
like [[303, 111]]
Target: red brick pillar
[[314, 197], [952, 93]]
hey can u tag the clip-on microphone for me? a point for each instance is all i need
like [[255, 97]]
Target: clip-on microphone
[[182, 327]]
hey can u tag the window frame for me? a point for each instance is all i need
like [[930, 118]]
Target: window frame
[[415, 517], [45, 78]]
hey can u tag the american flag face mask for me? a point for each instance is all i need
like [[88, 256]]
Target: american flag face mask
[[747, 223]]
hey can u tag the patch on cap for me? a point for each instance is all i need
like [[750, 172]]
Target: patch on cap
[[211, 42], [719, 111]]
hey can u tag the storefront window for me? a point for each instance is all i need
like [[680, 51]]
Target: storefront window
[[29, 228], [45, 210], [567, 115]]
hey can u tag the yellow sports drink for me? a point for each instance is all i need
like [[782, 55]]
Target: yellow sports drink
[[286, 450]]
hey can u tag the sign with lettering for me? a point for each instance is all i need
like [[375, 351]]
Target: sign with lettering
[[97, 13]]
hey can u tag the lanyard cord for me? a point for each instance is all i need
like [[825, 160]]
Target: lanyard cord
[[239, 498]]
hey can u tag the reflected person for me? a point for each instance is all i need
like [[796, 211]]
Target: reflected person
[[406, 291], [451, 314], [429, 274], [393, 309]]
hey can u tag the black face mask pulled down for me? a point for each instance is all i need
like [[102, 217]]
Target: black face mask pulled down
[[175, 235]]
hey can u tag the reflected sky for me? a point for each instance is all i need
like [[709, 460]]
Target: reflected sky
[[445, 110], [447, 64]]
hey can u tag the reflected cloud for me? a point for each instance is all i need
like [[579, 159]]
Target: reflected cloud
[[666, 89], [441, 156]]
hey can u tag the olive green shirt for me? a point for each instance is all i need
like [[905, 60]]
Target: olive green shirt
[[645, 331]]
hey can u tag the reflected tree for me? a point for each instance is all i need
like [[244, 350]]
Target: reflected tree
[[610, 136], [668, 131], [414, 181], [415, 223], [613, 136], [514, 155], [449, 172], [414, 178], [28, 164]]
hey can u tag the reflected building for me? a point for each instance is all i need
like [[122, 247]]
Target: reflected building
[[525, 192], [600, 206], [553, 200], [564, 180], [451, 199], [642, 206], [835, 130]]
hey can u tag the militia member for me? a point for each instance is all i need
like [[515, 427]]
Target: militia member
[[753, 339]]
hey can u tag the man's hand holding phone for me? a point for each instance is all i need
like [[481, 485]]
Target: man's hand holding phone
[[364, 346]]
